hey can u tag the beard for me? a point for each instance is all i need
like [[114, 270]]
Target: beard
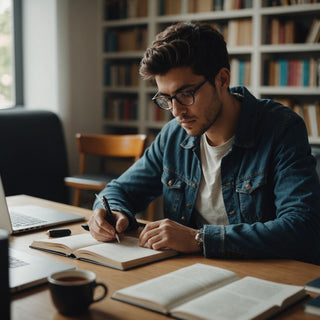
[[204, 127]]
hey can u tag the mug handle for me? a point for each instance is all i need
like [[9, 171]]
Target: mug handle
[[99, 284]]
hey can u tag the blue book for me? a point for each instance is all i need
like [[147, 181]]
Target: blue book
[[162, 9], [305, 73], [283, 81], [110, 41], [241, 73], [313, 285], [107, 75], [313, 306]]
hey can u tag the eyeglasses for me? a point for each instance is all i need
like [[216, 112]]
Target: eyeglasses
[[185, 98]]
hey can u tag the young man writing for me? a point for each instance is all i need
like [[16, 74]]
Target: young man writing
[[235, 172]]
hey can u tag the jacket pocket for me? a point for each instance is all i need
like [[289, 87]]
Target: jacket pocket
[[251, 194], [173, 192]]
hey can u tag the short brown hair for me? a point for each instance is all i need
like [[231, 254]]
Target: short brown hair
[[186, 44]]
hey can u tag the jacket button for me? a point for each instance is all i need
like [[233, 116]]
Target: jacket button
[[248, 186], [170, 182], [183, 218], [188, 205], [232, 213]]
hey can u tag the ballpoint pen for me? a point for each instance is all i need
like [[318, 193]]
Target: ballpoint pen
[[109, 216]]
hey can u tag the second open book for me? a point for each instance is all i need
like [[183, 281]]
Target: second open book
[[202, 292]]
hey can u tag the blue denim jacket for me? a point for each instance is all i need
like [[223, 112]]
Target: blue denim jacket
[[270, 187]]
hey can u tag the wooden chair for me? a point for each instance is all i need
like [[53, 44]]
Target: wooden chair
[[114, 146]]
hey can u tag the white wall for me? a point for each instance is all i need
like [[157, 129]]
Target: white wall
[[60, 56]]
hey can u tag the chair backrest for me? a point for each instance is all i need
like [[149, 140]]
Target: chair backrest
[[122, 146], [33, 156]]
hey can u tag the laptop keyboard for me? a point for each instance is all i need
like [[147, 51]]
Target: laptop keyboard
[[15, 262], [21, 220]]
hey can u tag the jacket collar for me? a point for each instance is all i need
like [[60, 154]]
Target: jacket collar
[[245, 134]]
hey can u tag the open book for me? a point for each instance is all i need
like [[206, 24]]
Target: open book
[[124, 255], [205, 292]]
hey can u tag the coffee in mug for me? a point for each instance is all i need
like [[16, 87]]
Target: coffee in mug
[[72, 292]]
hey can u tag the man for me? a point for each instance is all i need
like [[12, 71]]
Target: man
[[235, 172]]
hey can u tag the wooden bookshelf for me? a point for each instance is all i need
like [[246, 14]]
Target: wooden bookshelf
[[250, 55]]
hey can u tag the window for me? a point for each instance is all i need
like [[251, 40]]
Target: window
[[10, 53]]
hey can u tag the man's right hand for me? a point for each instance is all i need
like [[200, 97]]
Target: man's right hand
[[101, 230]]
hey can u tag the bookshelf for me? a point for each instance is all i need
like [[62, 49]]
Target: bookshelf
[[260, 35]]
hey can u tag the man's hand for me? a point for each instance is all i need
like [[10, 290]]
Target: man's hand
[[169, 234], [101, 230]]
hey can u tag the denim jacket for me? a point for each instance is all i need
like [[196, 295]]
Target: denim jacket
[[270, 186]]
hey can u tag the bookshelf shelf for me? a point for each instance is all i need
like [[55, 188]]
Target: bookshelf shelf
[[258, 52], [300, 91], [125, 22], [203, 16], [240, 50], [123, 89], [123, 55], [291, 9], [297, 47], [121, 123], [314, 140]]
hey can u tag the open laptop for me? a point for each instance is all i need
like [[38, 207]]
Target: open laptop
[[27, 270], [30, 217]]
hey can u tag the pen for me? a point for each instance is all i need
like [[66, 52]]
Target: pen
[[56, 233], [85, 227], [109, 216]]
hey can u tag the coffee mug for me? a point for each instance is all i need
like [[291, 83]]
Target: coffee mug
[[72, 292]]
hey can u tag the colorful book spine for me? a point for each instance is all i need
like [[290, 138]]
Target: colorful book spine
[[293, 73]]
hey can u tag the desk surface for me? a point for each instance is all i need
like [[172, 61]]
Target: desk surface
[[36, 303]]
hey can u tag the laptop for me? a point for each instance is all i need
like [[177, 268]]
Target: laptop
[[27, 270], [31, 217]]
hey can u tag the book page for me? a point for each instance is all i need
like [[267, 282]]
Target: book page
[[165, 292], [66, 244], [250, 297], [123, 255]]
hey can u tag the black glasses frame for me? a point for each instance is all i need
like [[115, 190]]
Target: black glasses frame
[[170, 98]]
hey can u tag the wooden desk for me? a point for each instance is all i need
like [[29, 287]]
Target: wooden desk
[[36, 303]]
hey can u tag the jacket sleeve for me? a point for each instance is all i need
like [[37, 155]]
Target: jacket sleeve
[[138, 186]]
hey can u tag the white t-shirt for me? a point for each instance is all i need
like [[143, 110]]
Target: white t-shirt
[[209, 203]]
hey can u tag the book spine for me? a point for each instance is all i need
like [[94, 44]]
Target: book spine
[[293, 72]]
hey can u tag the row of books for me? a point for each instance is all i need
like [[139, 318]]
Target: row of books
[[309, 112], [240, 72], [167, 7], [275, 3], [121, 74], [120, 108], [283, 72], [157, 114], [311, 115], [125, 9], [125, 39], [314, 32], [236, 32], [239, 32], [289, 31], [284, 31]]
